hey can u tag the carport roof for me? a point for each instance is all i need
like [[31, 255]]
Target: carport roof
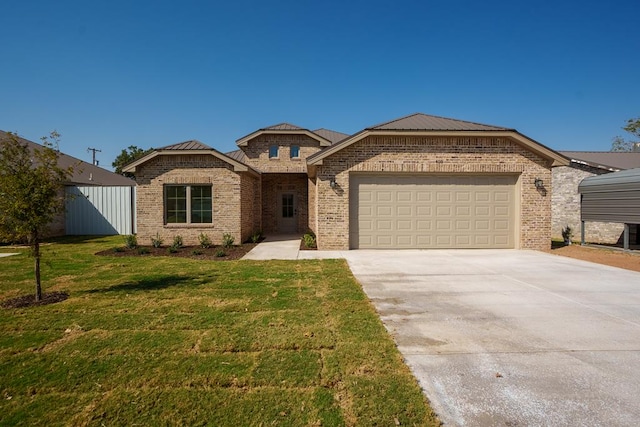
[[611, 182]]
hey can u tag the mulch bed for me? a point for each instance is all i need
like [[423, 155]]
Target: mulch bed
[[193, 252], [30, 300]]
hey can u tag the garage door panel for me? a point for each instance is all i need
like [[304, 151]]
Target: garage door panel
[[404, 211], [426, 211]]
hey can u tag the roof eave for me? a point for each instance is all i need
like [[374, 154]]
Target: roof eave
[[557, 159], [237, 166], [242, 142]]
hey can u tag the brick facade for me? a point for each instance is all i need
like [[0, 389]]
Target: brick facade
[[257, 153], [282, 175], [235, 198], [565, 202], [435, 155]]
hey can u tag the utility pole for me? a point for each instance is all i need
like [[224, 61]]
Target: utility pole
[[94, 150]]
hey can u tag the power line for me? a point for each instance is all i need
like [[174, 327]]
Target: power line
[[94, 150]]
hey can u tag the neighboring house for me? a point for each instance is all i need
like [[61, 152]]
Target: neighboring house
[[565, 199], [98, 202], [416, 182]]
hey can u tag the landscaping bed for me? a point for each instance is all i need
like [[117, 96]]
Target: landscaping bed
[[214, 253], [599, 255]]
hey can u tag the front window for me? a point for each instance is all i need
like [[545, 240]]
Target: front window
[[273, 152], [188, 204], [295, 151]]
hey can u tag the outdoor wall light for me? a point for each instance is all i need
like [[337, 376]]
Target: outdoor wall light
[[538, 183], [332, 183]]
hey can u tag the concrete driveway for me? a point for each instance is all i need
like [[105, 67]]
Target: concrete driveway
[[512, 338]]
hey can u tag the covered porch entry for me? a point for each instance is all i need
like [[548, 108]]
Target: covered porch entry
[[284, 203]]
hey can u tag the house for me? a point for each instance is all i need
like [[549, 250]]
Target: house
[[98, 202], [565, 198], [419, 181]]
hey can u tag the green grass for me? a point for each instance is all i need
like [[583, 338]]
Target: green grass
[[174, 341]]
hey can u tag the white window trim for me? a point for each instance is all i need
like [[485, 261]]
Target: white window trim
[[277, 156], [188, 207]]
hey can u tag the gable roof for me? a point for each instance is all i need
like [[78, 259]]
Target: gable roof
[[187, 145], [331, 135], [83, 173], [420, 121], [284, 128], [190, 147], [422, 124], [610, 160]]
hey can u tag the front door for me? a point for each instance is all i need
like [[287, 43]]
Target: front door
[[287, 213]]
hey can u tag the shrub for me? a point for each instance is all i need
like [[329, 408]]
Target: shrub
[[255, 237], [220, 253], [205, 241], [118, 249], [177, 242], [143, 251], [567, 233], [130, 241], [309, 240], [172, 249], [227, 240], [197, 252], [157, 241]]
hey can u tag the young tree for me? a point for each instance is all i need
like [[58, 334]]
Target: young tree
[[620, 144], [127, 156], [31, 192]]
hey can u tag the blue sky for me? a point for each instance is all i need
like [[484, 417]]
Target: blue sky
[[109, 74]]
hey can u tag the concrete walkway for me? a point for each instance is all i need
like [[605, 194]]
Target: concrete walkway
[[287, 247]]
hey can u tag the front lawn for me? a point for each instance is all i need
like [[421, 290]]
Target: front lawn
[[176, 341]]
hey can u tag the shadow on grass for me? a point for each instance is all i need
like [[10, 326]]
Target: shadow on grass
[[155, 283]]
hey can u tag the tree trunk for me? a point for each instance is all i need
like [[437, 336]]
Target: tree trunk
[[36, 258]]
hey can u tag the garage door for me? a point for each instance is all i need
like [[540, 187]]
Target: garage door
[[427, 211]]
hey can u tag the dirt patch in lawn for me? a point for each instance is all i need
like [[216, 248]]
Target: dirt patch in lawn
[[30, 300], [215, 253], [600, 255]]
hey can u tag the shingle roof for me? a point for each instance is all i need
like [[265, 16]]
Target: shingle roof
[[606, 159], [331, 135], [425, 122], [187, 145], [83, 173]]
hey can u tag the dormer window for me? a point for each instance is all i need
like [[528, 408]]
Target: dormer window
[[273, 152], [295, 151]]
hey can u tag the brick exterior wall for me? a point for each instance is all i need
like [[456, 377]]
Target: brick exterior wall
[[257, 152], [312, 199], [435, 155], [565, 206], [231, 212]]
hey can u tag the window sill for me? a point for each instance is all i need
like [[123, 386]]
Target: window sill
[[192, 225]]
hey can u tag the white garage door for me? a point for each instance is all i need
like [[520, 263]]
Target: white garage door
[[427, 211]]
